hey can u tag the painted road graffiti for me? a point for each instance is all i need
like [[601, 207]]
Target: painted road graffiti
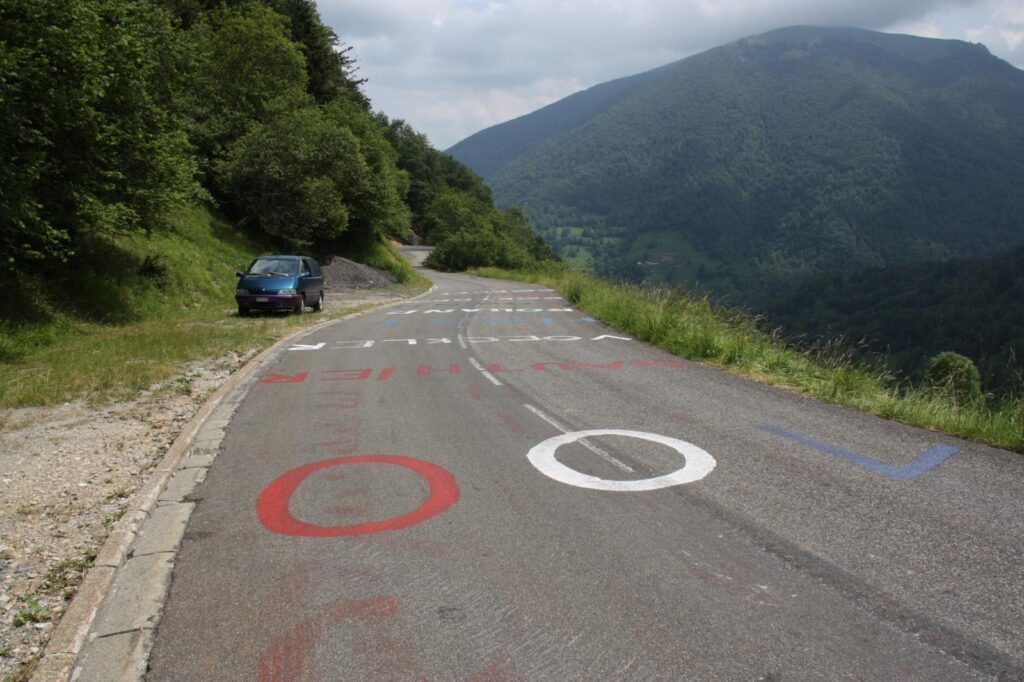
[[272, 505], [932, 457], [497, 298], [285, 378], [926, 461], [455, 369], [287, 656], [697, 462], [493, 319], [501, 291], [444, 340], [449, 311]]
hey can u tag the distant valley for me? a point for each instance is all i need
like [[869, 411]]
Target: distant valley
[[911, 311], [752, 167]]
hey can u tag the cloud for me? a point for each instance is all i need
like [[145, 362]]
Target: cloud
[[451, 112], [999, 39], [1008, 11], [452, 67], [1004, 36], [926, 28]]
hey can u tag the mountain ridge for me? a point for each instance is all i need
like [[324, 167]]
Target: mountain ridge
[[796, 151], [520, 133]]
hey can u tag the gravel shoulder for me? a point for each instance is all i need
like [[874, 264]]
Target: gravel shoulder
[[68, 473]]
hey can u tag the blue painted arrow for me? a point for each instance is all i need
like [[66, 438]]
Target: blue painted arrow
[[926, 461]]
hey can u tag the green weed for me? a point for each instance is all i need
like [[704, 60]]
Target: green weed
[[383, 256], [32, 612], [67, 575]]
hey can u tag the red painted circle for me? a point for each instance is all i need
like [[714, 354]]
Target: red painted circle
[[272, 505]]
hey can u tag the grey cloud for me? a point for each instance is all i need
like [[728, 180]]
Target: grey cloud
[[464, 52], [359, 20]]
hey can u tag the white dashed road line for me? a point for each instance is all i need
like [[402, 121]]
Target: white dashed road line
[[584, 442]]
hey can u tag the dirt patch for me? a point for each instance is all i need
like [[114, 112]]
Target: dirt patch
[[67, 474], [342, 274]]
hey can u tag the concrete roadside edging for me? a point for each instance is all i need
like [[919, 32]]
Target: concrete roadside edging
[[106, 632]]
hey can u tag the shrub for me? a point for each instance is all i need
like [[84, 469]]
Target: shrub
[[955, 376]]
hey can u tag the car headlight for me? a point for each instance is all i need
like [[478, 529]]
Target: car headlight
[[287, 291], [241, 292]]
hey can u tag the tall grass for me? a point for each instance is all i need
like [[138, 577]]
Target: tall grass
[[134, 316], [694, 328], [101, 363], [384, 256]]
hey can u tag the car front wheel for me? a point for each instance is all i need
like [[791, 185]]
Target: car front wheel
[[300, 307], [319, 307]]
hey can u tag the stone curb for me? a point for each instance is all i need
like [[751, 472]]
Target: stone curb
[[125, 654]]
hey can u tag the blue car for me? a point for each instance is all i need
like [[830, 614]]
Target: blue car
[[280, 283]]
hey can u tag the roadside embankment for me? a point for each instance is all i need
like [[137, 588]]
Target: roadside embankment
[[696, 329]]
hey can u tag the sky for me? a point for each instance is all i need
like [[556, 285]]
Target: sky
[[453, 67]]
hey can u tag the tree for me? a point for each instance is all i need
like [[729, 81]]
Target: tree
[[246, 65], [516, 225], [450, 212], [380, 210], [90, 137], [330, 68], [296, 175], [317, 175], [471, 233], [430, 173]]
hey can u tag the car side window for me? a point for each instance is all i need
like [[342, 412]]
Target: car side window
[[306, 270]]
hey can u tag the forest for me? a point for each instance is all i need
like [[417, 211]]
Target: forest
[[116, 113], [908, 313]]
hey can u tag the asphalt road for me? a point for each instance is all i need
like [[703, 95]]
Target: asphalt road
[[392, 502]]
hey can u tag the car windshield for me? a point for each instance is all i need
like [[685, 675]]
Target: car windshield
[[275, 266]]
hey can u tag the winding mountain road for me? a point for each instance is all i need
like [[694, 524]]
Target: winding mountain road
[[486, 484]]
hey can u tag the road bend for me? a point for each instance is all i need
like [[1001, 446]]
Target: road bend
[[487, 484]]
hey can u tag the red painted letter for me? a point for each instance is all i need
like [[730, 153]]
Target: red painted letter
[[285, 378], [348, 374], [272, 505], [425, 370]]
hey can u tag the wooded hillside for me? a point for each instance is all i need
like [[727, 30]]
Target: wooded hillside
[[116, 113]]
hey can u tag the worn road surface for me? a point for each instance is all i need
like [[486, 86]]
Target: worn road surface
[[407, 495]]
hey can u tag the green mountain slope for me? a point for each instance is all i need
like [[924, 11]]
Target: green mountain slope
[[798, 151], [489, 150]]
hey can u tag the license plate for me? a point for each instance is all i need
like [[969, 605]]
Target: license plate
[[262, 299]]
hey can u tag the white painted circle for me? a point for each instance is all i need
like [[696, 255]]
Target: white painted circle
[[698, 463]]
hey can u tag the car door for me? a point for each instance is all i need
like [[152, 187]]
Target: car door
[[312, 280]]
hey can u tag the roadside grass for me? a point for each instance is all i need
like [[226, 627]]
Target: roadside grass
[[695, 328], [102, 363], [163, 301], [384, 256]]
